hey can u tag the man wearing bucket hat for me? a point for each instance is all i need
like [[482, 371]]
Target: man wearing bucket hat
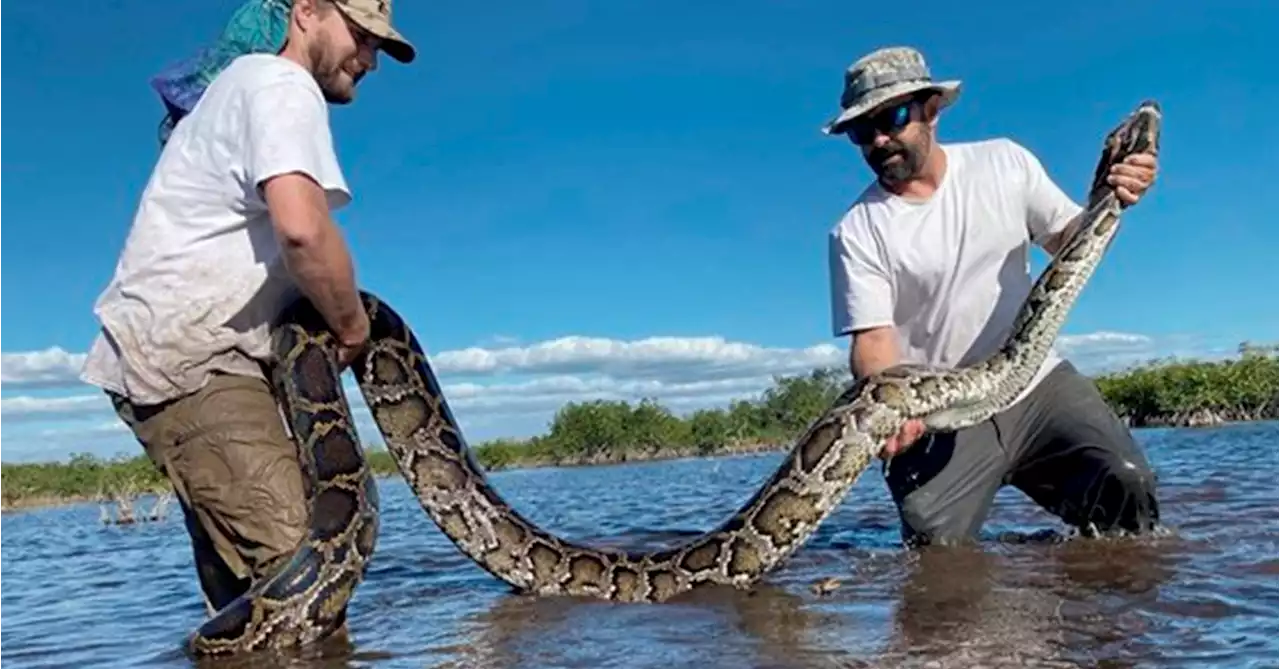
[[930, 265], [234, 224]]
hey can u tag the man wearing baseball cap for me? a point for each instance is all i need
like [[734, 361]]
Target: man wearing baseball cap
[[930, 266], [234, 224]]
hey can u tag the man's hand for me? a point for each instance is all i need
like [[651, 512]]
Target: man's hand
[[872, 351], [351, 344], [348, 355], [911, 431], [1133, 177]]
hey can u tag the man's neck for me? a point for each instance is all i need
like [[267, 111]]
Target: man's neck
[[922, 186], [294, 51]]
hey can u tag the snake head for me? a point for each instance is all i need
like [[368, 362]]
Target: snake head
[[1139, 133]]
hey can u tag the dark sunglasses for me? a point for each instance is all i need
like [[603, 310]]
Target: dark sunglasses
[[889, 121], [361, 36]]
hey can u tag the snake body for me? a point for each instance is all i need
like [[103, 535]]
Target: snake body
[[306, 599]]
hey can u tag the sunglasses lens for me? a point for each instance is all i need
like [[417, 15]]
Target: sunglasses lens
[[889, 121], [863, 133], [899, 116]]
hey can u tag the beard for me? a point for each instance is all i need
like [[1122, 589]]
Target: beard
[[336, 84], [910, 160]]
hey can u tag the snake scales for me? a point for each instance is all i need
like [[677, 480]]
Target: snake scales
[[306, 598]]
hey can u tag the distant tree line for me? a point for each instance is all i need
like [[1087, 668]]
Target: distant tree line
[[1172, 392], [1160, 392], [602, 431]]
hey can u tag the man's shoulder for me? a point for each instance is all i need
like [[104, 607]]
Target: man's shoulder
[[873, 207], [248, 91], [251, 73], [999, 154], [870, 206], [264, 66], [991, 149]]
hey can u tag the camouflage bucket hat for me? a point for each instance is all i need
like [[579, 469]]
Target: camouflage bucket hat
[[375, 16], [882, 75]]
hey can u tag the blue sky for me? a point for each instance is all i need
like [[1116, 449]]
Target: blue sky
[[649, 176]]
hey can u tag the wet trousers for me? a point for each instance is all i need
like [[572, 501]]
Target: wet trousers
[[236, 473], [1062, 445]]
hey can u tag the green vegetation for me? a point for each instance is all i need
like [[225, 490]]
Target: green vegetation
[[1165, 392], [603, 431], [1175, 392], [83, 478]]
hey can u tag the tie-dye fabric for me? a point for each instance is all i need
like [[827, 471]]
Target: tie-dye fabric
[[258, 26]]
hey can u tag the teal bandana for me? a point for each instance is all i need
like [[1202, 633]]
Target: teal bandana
[[258, 26]]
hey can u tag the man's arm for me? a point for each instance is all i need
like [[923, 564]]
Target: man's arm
[[1131, 179], [1052, 216], [1056, 241], [315, 253], [873, 350], [290, 159], [861, 298]]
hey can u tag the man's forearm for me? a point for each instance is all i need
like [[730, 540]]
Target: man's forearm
[[322, 268], [1059, 240], [315, 255], [873, 363]]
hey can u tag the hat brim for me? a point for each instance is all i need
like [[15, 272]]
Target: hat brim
[[393, 43], [950, 90]]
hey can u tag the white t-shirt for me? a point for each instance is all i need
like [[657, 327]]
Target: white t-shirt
[[200, 278], [952, 271]]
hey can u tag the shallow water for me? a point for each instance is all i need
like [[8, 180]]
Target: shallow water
[[78, 594]]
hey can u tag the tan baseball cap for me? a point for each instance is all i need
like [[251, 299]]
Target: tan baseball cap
[[375, 16]]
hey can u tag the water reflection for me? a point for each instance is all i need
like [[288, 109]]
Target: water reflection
[[954, 605], [1045, 603]]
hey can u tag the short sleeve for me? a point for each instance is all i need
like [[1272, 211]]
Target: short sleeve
[[288, 131], [861, 291], [1049, 209]]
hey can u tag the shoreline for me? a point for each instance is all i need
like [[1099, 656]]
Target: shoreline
[[1183, 420], [46, 501], [625, 456], [1197, 418]]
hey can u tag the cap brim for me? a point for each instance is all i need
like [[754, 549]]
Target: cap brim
[[398, 48], [950, 90], [393, 43]]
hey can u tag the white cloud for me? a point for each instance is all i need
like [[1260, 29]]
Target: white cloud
[[1104, 351], [24, 408], [682, 357], [48, 368], [688, 358], [1096, 351], [492, 390], [101, 428]]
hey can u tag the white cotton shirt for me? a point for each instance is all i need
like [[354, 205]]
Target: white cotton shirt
[[952, 271], [201, 278]]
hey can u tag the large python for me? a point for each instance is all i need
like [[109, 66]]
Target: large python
[[306, 599]]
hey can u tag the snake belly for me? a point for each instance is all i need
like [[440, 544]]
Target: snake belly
[[305, 599]]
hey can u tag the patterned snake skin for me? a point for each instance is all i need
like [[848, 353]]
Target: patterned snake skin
[[306, 599]]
